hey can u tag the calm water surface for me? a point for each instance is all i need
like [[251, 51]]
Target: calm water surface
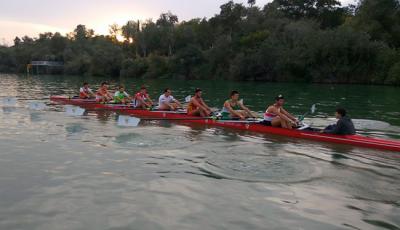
[[62, 172]]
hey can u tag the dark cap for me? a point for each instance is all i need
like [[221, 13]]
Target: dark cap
[[279, 97], [197, 90]]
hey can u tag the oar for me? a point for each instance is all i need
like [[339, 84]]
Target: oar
[[9, 101], [301, 118], [312, 110], [134, 121], [33, 105], [74, 110]]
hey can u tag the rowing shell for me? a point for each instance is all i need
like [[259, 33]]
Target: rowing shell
[[355, 140]]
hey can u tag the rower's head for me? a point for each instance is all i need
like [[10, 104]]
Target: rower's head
[[85, 85], [143, 89], [280, 100], [198, 92], [167, 92], [121, 88], [104, 85], [235, 95], [340, 112]]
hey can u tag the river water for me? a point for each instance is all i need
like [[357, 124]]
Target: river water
[[63, 172]]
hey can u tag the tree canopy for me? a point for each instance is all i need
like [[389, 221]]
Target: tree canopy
[[286, 40]]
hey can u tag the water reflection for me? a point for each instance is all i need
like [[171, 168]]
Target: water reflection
[[89, 173]]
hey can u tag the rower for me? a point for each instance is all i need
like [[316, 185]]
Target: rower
[[277, 116], [197, 106], [85, 92], [102, 94], [120, 96], [168, 102], [142, 99], [233, 108], [344, 125]]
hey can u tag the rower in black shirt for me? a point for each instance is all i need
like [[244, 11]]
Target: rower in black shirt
[[344, 125]]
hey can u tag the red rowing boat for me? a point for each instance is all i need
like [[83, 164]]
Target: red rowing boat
[[355, 140]]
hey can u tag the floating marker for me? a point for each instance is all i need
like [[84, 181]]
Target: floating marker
[[128, 121], [74, 110]]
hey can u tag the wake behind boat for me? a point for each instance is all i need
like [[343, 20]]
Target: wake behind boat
[[248, 125]]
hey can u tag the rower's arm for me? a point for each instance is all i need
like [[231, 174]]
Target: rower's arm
[[281, 115], [84, 93], [205, 105], [148, 98], [196, 103], [91, 92], [178, 103], [231, 110], [200, 104], [290, 116], [337, 129], [141, 100], [247, 110]]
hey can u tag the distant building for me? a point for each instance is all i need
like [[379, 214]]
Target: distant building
[[45, 67]]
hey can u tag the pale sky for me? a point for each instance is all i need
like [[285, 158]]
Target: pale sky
[[31, 17]]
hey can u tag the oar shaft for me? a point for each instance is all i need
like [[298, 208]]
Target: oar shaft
[[177, 119]]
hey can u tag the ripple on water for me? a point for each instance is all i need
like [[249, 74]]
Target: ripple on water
[[282, 168], [159, 141]]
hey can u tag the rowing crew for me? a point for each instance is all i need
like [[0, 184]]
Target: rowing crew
[[140, 100], [233, 108]]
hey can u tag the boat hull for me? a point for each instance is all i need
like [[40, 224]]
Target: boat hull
[[355, 140]]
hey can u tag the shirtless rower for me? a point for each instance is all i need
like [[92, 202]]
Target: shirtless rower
[[277, 116], [102, 94], [197, 106]]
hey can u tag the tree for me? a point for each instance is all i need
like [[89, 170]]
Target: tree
[[81, 33], [114, 31], [130, 32], [166, 23], [327, 12], [380, 19], [287, 40], [17, 41], [251, 2]]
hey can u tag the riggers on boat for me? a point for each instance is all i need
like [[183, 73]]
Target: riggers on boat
[[355, 140]]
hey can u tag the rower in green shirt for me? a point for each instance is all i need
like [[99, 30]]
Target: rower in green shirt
[[121, 97], [233, 108]]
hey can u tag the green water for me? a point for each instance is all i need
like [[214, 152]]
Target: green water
[[63, 172]]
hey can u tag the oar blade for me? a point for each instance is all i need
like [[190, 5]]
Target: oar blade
[[188, 98], [127, 121], [74, 111], [313, 108], [34, 105], [9, 101]]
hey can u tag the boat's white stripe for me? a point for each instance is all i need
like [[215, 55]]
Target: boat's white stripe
[[352, 140]]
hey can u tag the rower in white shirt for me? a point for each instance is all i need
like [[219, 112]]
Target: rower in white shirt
[[168, 102]]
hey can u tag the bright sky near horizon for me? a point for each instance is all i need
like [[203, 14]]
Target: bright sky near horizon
[[31, 17]]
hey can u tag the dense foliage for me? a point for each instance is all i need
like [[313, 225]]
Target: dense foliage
[[286, 40]]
